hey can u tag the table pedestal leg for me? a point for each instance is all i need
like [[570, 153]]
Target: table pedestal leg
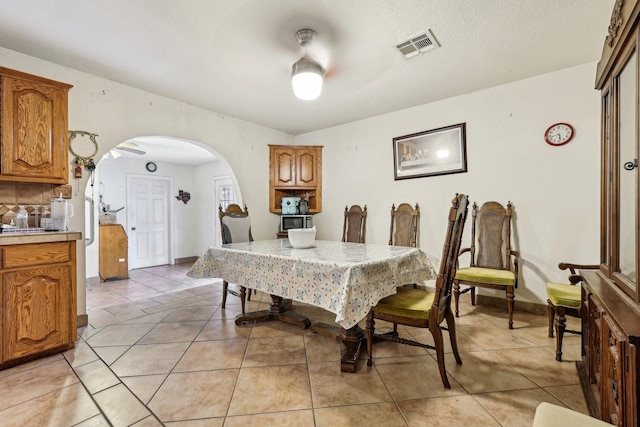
[[351, 341], [279, 310]]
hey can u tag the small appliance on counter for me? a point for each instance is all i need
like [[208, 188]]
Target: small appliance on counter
[[288, 222], [61, 209], [289, 205]]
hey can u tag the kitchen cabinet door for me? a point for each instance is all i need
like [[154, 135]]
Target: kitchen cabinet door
[[37, 309], [34, 129]]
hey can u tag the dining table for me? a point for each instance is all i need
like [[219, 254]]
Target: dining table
[[346, 279]]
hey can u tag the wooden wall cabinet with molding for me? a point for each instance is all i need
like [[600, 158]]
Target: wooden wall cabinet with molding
[[38, 300], [295, 170], [33, 128]]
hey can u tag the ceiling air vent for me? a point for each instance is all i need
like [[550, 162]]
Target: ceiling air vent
[[418, 44]]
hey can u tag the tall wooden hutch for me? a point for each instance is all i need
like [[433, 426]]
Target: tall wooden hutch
[[610, 364]]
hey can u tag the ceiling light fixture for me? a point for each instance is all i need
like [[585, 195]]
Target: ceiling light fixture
[[307, 73]]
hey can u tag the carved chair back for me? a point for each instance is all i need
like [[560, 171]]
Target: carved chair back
[[355, 224], [404, 225], [491, 236]]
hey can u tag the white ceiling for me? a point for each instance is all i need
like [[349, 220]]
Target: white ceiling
[[234, 56]]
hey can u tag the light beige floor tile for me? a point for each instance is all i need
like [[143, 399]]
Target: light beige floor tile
[[148, 318], [330, 387], [492, 337], [62, 407], [111, 354], [271, 389], [96, 376], [150, 421], [209, 355], [416, 377], [539, 366], [35, 382], [424, 336], [191, 314], [173, 332], [144, 386], [217, 329], [194, 395], [320, 348], [30, 365], [481, 372], [80, 354], [377, 414], [97, 421], [446, 412], [279, 350], [119, 335], [515, 408], [275, 329], [149, 359], [120, 406], [281, 419], [571, 396], [208, 422]]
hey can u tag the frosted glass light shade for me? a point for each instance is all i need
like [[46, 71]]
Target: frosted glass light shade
[[306, 78]]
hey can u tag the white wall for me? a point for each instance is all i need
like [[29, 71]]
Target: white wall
[[118, 113], [554, 190]]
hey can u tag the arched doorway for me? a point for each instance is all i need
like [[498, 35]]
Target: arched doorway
[[181, 165]]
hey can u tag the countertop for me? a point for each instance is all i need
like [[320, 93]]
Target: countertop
[[45, 237]]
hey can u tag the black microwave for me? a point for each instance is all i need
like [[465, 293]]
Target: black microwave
[[287, 222]]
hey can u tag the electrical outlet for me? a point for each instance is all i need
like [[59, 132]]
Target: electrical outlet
[[65, 190]]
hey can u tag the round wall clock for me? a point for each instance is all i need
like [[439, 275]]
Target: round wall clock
[[151, 167], [558, 134]]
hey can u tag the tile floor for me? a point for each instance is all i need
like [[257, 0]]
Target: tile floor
[[159, 350]]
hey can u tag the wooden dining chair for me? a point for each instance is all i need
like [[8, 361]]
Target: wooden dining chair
[[404, 225], [426, 309], [493, 264], [235, 225], [565, 299], [355, 224]]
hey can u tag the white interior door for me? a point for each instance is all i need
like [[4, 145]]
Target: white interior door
[[148, 221], [224, 196]]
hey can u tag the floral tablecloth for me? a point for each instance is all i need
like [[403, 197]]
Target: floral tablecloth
[[345, 278]]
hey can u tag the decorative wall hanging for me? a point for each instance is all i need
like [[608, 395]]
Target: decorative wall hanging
[[183, 196], [439, 151], [84, 151]]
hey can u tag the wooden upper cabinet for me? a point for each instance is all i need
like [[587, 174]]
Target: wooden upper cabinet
[[295, 171], [33, 128], [295, 166]]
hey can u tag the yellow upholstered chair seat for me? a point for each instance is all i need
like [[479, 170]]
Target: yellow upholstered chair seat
[[486, 275], [564, 295], [407, 302]]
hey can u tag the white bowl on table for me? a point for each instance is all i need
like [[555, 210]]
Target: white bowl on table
[[302, 238]]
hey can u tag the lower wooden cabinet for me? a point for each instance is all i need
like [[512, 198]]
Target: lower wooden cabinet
[[610, 367], [38, 300], [114, 252]]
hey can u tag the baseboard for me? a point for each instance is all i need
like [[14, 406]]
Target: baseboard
[[186, 260], [82, 320], [527, 307]]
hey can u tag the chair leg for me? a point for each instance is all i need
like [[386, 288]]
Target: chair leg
[[551, 312], [510, 301], [225, 286], [370, 330], [451, 325], [438, 343], [456, 295], [473, 295], [561, 324]]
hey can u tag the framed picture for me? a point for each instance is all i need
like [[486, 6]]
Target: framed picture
[[439, 151]]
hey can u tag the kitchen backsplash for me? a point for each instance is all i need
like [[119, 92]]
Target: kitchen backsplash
[[35, 197]]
